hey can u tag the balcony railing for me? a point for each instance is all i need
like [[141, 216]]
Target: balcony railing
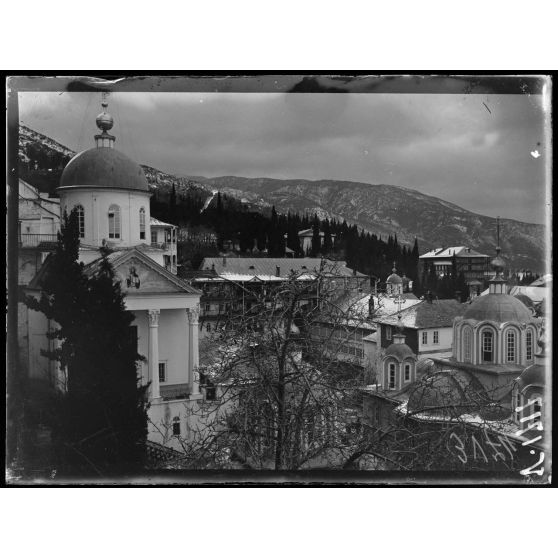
[[34, 240], [160, 245]]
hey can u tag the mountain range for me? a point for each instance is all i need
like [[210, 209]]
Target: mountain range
[[381, 209]]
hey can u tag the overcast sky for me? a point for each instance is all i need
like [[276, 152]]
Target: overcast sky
[[472, 150]]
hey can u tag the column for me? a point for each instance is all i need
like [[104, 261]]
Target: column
[[154, 352], [193, 349]]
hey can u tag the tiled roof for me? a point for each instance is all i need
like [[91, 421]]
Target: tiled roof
[[267, 267], [438, 313], [459, 251]]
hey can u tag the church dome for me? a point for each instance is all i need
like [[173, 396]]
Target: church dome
[[104, 167], [446, 392], [394, 279], [533, 375], [400, 351], [498, 308]]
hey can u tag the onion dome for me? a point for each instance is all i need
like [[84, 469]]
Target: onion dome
[[498, 308]]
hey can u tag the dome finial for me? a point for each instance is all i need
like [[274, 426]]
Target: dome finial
[[104, 122]]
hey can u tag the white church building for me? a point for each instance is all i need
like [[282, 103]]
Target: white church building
[[111, 195]]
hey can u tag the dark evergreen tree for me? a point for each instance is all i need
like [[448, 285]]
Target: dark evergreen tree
[[172, 205], [101, 420], [328, 243], [316, 239]]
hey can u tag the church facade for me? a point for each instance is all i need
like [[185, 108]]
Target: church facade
[[110, 193]]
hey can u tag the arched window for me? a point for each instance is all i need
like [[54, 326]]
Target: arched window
[[467, 344], [510, 346], [81, 220], [142, 223], [407, 373], [529, 345], [114, 221], [487, 346], [391, 375]]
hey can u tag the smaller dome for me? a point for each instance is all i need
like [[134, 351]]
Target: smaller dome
[[394, 279], [447, 393], [533, 375], [400, 351]]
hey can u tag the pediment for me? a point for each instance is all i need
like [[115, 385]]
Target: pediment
[[139, 277]]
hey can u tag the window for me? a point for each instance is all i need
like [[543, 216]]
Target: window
[[435, 337], [176, 426], [81, 220], [162, 372], [142, 223], [510, 346], [487, 346], [388, 333], [114, 221], [517, 406], [529, 344], [153, 236], [407, 372], [208, 327], [467, 344], [425, 337], [207, 307], [391, 376]]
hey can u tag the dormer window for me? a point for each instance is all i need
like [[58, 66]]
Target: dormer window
[[142, 223], [388, 333], [114, 221]]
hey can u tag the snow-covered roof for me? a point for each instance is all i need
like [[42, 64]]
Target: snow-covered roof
[[275, 267], [438, 313], [536, 294], [156, 223], [458, 251]]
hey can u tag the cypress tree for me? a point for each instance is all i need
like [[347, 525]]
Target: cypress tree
[[101, 419]]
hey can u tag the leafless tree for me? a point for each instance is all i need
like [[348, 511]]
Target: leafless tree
[[284, 399]]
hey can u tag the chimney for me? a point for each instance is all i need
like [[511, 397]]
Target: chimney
[[429, 297], [371, 306], [224, 261], [458, 296], [278, 271]]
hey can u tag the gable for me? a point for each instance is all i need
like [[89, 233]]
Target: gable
[[137, 277]]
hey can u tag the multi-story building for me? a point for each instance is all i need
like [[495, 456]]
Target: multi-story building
[[474, 265], [235, 284]]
